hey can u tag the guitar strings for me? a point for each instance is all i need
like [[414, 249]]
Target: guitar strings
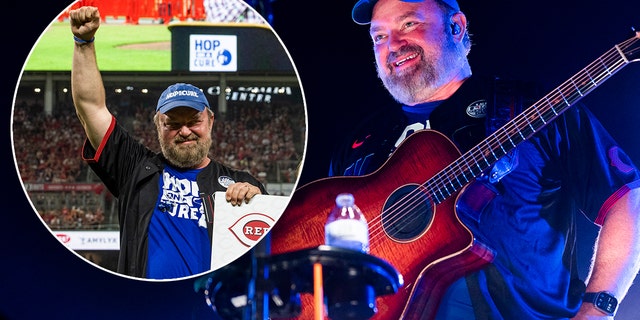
[[523, 120], [569, 92]]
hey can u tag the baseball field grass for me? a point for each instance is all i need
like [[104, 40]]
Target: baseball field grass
[[120, 47]]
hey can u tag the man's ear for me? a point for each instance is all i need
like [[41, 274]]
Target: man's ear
[[458, 25]]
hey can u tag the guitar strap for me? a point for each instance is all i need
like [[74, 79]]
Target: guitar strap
[[481, 308]]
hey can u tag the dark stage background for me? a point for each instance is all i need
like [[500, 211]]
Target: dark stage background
[[547, 41]]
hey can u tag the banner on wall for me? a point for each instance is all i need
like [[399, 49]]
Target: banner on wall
[[89, 240]]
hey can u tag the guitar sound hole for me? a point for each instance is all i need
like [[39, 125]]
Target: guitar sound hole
[[407, 213]]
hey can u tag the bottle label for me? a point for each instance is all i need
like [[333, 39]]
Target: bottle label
[[347, 233]]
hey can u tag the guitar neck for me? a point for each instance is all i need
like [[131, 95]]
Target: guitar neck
[[481, 157]]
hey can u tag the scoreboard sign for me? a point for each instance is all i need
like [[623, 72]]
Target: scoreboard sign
[[213, 53], [228, 48]]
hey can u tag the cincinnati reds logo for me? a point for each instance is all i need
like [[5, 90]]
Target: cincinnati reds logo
[[63, 237], [250, 228]]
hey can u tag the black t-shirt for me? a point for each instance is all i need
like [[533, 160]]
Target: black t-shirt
[[462, 118]]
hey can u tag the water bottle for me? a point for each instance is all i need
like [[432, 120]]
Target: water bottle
[[346, 226]]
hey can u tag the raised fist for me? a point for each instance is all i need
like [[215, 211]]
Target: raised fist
[[85, 21]]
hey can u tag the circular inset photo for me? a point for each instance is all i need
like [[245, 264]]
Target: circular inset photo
[[159, 142]]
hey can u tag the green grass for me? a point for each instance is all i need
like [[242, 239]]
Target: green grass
[[53, 51]]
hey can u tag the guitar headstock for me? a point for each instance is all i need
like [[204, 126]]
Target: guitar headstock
[[631, 48]]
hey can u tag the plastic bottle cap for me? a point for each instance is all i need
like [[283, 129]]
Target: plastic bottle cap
[[345, 199]]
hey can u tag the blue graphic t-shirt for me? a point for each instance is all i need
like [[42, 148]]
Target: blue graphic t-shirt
[[179, 243]]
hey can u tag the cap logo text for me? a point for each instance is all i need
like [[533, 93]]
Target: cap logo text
[[181, 93]]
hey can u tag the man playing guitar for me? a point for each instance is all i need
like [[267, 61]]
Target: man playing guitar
[[521, 210]]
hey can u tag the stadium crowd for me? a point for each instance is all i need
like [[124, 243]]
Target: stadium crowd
[[266, 140]]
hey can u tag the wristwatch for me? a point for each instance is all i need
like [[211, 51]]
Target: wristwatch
[[603, 301]]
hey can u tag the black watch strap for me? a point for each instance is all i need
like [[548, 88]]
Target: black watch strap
[[602, 300]]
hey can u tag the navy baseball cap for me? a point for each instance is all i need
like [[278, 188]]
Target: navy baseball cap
[[363, 9], [182, 95]]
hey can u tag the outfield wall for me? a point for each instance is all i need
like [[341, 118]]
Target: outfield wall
[[133, 11]]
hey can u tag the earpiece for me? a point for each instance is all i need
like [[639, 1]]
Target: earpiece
[[455, 29]]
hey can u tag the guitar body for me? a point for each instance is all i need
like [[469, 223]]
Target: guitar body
[[430, 247]]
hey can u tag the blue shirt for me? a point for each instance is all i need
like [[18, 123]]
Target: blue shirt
[[179, 243]]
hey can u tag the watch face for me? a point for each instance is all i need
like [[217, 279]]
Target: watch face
[[606, 302]]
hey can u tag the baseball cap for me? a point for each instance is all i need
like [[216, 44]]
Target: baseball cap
[[363, 9], [182, 95]]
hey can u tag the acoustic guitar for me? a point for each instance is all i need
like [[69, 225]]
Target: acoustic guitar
[[410, 202]]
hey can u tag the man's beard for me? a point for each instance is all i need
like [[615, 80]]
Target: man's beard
[[415, 85], [186, 156]]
